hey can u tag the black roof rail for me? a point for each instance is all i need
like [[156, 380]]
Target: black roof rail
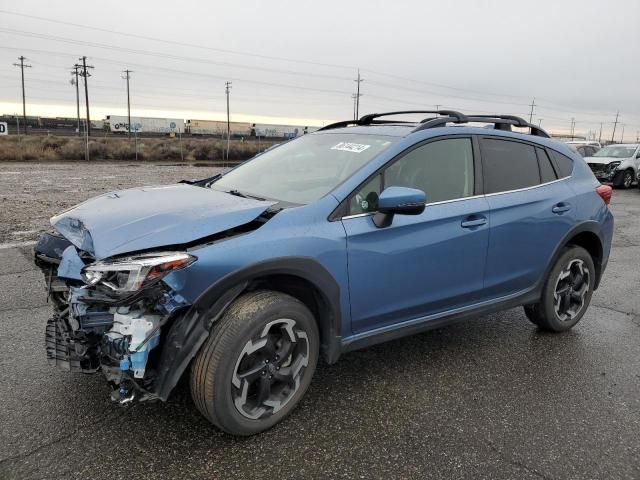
[[371, 119], [501, 122]]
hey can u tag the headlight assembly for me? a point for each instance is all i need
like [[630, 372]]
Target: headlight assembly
[[132, 273], [613, 165]]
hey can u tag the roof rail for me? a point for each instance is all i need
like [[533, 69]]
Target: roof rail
[[501, 122], [371, 119]]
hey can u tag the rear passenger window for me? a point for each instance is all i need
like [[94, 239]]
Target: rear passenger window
[[546, 169], [564, 165], [508, 165]]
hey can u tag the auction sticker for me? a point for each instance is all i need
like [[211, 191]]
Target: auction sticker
[[350, 147]]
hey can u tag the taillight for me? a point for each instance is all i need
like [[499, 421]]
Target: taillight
[[605, 192]]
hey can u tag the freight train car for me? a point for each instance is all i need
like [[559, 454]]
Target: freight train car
[[218, 128], [118, 124], [279, 131]]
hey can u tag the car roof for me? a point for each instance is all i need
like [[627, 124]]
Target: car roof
[[391, 130]]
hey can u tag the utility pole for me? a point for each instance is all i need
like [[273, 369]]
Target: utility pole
[[227, 88], [126, 77], [622, 136], [614, 127], [358, 80], [355, 115], [532, 104], [74, 81], [600, 136], [24, 103], [573, 126], [86, 74], [539, 122]]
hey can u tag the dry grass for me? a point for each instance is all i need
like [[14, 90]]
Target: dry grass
[[37, 148]]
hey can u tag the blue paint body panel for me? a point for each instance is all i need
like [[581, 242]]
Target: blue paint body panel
[[419, 267]]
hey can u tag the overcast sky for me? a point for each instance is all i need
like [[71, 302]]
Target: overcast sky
[[295, 61]]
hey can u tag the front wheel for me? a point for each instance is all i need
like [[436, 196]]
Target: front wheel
[[567, 292], [256, 364], [624, 179]]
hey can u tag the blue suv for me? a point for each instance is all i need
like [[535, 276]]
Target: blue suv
[[363, 232]]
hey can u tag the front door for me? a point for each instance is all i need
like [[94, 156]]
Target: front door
[[423, 264]]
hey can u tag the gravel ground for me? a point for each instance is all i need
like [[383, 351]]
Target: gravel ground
[[31, 193], [489, 398]]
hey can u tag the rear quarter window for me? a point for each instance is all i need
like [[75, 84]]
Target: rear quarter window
[[563, 164]]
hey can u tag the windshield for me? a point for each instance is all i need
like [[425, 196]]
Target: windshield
[[304, 170], [616, 151]]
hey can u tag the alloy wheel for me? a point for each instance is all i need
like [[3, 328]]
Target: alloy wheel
[[571, 289], [628, 179], [269, 369]]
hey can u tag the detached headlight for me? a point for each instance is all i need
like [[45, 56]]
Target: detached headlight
[[132, 273], [613, 165]]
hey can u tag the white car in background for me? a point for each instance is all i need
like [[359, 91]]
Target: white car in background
[[617, 164], [586, 148]]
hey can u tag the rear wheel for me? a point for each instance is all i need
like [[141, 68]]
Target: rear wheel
[[567, 292], [256, 364]]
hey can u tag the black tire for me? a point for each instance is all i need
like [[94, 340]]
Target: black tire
[[624, 179], [216, 385], [549, 314]]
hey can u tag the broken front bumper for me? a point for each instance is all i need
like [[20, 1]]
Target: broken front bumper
[[96, 329], [603, 172]]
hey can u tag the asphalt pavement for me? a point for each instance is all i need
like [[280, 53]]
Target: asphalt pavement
[[489, 398]]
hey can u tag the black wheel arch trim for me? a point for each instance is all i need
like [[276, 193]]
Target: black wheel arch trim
[[590, 226], [189, 332]]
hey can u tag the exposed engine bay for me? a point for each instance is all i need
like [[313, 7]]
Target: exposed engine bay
[[108, 316]]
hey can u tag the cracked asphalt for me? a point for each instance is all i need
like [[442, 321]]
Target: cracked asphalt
[[489, 398]]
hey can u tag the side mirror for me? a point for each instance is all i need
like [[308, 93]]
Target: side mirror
[[398, 200], [638, 155]]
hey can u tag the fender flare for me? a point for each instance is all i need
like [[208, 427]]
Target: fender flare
[[189, 331], [590, 226]]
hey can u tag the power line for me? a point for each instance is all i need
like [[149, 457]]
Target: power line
[[164, 55], [173, 42], [24, 103]]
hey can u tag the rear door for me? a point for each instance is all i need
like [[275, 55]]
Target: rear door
[[420, 264], [531, 208]]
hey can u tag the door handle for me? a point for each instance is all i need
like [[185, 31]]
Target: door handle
[[560, 208], [473, 221]]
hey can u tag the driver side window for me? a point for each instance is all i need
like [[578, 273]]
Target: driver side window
[[443, 169]]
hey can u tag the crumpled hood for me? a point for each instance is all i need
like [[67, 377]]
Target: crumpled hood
[[603, 160], [152, 217]]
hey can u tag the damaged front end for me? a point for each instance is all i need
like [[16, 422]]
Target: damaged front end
[[109, 314]]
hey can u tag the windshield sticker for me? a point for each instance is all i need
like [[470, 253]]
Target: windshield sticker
[[350, 147]]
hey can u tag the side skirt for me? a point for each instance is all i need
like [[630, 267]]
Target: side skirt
[[437, 320]]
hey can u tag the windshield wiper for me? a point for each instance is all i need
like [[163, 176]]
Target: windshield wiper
[[238, 193]]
